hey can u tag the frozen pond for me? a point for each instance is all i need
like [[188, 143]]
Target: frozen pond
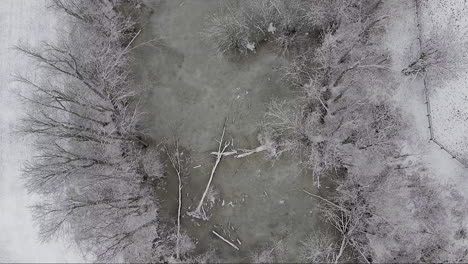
[[191, 93]]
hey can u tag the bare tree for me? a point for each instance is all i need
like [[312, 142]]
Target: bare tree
[[241, 28], [271, 253], [179, 163], [319, 248], [94, 165], [347, 213], [442, 52], [334, 116]]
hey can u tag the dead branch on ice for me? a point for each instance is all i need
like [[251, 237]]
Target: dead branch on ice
[[250, 152], [174, 154], [225, 240], [222, 146], [323, 199], [245, 152], [225, 154]]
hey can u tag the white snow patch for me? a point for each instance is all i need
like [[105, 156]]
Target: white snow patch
[[271, 28], [251, 46]]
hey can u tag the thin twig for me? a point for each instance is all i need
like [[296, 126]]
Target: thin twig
[[325, 200]]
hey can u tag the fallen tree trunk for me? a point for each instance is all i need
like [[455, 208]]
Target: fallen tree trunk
[[222, 146], [245, 152]]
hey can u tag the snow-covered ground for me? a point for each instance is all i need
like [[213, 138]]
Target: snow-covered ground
[[450, 116], [448, 97], [448, 93], [25, 21]]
